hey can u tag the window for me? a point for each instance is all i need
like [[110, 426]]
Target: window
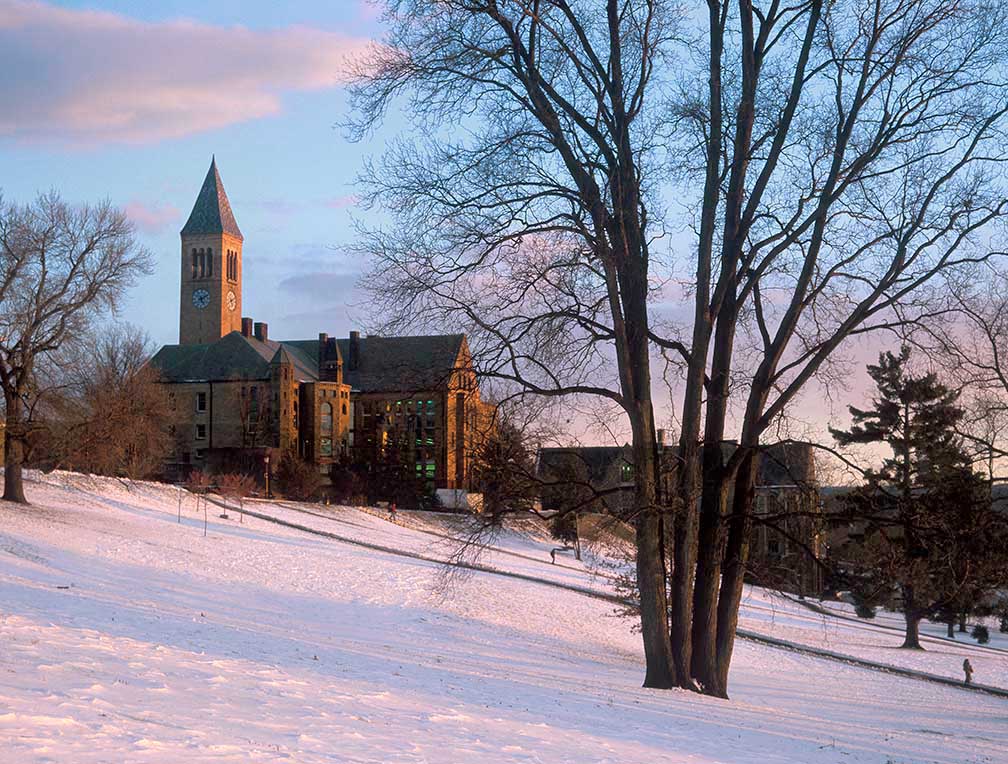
[[200, 454], [201, 401], [326, 429], [626, 472], [253, 404], [194, 262], [209, 261], [200, 431]]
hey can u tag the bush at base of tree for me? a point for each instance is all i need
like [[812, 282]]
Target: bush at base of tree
[[980, 634], [864, 610], [297, 479]]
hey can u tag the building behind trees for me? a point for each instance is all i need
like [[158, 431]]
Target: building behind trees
[[240, 400]]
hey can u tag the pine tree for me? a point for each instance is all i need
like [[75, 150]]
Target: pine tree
[[927, 474]]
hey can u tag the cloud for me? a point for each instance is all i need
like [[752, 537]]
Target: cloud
[[152, 218], [342, 202], [319, 286], [87, 77]]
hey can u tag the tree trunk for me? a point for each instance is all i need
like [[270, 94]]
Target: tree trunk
[[962, 622], [13, 450], [912, 639], [684, 555], [951, 629], [703, 664], [734, 567]]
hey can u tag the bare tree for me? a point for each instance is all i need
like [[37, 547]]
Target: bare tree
[[111, 415], [61, 266], [832, 160]]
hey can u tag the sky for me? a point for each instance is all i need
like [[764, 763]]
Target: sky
[[128, 101]]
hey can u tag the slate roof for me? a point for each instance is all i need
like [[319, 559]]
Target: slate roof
[[596, 459], [783, 464], [212, 211], [233, 356], [393, 364]]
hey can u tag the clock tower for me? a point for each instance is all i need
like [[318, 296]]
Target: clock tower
[[211, 267]]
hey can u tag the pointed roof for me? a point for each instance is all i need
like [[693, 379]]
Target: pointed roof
[[212, 211]]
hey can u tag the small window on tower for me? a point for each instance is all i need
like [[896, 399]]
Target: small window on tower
[[194, 262], [209, 261]]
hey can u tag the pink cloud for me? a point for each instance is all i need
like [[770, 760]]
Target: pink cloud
[[370, 10], [152, 218], [77, 76], [342, 202]]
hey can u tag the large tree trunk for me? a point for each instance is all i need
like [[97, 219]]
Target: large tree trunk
[[13, 450], [650, 541], [733, 570], [703, 664], [911, 640]]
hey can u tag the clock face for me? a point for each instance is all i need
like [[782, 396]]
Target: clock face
[[200, 298], [232, 301]]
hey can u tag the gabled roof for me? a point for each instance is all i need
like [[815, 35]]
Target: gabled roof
[[232, 357], [392, 364], [596, 460], [212, 211], [402, 364]]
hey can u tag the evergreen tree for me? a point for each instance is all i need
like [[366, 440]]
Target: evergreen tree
[[907, 505]]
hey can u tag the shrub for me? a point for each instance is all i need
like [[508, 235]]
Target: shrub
[[864, 610], [980, 634], [1004, 624], [298, 479]]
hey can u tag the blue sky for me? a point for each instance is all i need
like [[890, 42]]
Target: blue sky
[[128, 101]]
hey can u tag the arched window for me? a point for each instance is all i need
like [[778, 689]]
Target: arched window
[[202, 262], [326, 429], [194, 262], [209, 261]]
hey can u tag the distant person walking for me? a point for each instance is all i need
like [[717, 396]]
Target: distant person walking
[[391, 510], [968, 671]]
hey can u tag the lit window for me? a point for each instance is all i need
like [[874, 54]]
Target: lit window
[[626, 472]]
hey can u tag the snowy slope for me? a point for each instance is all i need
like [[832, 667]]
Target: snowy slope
[[262, 643]]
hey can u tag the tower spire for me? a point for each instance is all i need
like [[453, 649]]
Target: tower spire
[[212, 211]]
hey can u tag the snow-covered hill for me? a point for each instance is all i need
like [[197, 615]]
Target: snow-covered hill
[[127, 636]]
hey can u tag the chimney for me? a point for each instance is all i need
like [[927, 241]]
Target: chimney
[[354, 355], [261, 331], [246, 326]]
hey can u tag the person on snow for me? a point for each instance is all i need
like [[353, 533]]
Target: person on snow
[[968, 671]]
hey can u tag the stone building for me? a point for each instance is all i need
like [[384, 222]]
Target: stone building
[[787, 535], [241, 399]]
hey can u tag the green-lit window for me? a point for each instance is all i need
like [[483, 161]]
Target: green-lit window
[[626, 472]]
